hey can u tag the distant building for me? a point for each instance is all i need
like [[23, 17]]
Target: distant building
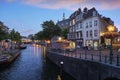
[[58, 42], [87, 26], [3, 27], [26, 40], [64, 23]]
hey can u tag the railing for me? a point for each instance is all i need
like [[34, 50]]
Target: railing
[[90, 56]]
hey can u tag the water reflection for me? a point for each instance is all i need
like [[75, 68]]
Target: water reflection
[[32, 65]]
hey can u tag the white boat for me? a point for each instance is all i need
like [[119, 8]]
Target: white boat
[[23, 46]]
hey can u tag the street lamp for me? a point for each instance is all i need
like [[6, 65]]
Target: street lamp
[[61, 65], [111, 34]]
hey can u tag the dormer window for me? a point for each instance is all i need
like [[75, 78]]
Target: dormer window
[[73, 21], [95, 23], [81, 16], [94, 13]]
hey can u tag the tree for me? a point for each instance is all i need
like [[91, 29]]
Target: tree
[[39, 35], [3, 34], [50, 30], [15, 36], [64, 33]]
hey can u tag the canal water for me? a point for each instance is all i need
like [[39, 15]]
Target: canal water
[[32, 65]]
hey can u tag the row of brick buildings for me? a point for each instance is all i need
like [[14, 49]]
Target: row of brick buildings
[[87, 27]]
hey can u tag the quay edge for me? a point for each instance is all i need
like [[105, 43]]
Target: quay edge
[[10, 60]]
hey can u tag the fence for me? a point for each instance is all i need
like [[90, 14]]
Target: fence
[[90, 56]]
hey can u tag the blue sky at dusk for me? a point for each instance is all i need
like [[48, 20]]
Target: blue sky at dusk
[[26, 16]]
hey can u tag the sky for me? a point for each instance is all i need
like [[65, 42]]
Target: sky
[[26, 16]]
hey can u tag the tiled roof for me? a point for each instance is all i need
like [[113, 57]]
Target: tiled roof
[[86, 13]]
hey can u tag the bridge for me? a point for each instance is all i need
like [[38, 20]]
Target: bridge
[[84, 65]]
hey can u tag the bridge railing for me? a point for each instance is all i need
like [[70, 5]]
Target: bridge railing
[[97, 57]]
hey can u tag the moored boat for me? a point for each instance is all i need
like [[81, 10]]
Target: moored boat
[[23, 46]]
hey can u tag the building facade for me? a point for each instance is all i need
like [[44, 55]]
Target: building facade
[[87, 26], [3, 27]]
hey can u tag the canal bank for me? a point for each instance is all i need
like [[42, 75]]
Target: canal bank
[[9, 57], [82, 69]]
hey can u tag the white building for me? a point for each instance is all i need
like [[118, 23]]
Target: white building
[[87, 26]]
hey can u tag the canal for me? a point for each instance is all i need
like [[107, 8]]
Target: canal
[[32, 65]]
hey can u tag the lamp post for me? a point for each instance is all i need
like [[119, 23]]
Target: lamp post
[[61, 65], [111, 51], [111, 29], [111, 34]]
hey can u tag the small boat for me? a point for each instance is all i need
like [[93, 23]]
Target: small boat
[[23, 46]]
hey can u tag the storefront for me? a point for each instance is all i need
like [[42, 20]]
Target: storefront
[[93, 44], [79, 43]]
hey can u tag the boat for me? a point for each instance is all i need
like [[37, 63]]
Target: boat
[[23, 46]]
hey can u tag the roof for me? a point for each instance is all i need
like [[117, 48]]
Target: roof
[[63, 23], [86, 13]]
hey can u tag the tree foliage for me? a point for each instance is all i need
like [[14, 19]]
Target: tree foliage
[[14, 35], [39, 35], [64, 33], [3, 34], [50, 29]]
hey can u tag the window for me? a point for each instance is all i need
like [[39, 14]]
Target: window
[[70, 29], [77, 27], [78, 18], [90, 33], [95, 33], [81, 16], [86, 25], [90, 23], [80, 34], [66, 23], [77, 34], [70, 23], [80, 25], [86, 33], [73, 28], [94, 13], [95, 23], [73, 21]]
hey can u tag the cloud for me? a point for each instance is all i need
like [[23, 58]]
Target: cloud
[[52, 4], [10, 0], [72, 4], [108, 4]]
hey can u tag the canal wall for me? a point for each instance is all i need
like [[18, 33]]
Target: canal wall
[[8, 61], [84, 70]]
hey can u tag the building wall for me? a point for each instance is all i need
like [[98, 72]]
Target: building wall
[[3, 27], [63, 23], [93, 31]]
